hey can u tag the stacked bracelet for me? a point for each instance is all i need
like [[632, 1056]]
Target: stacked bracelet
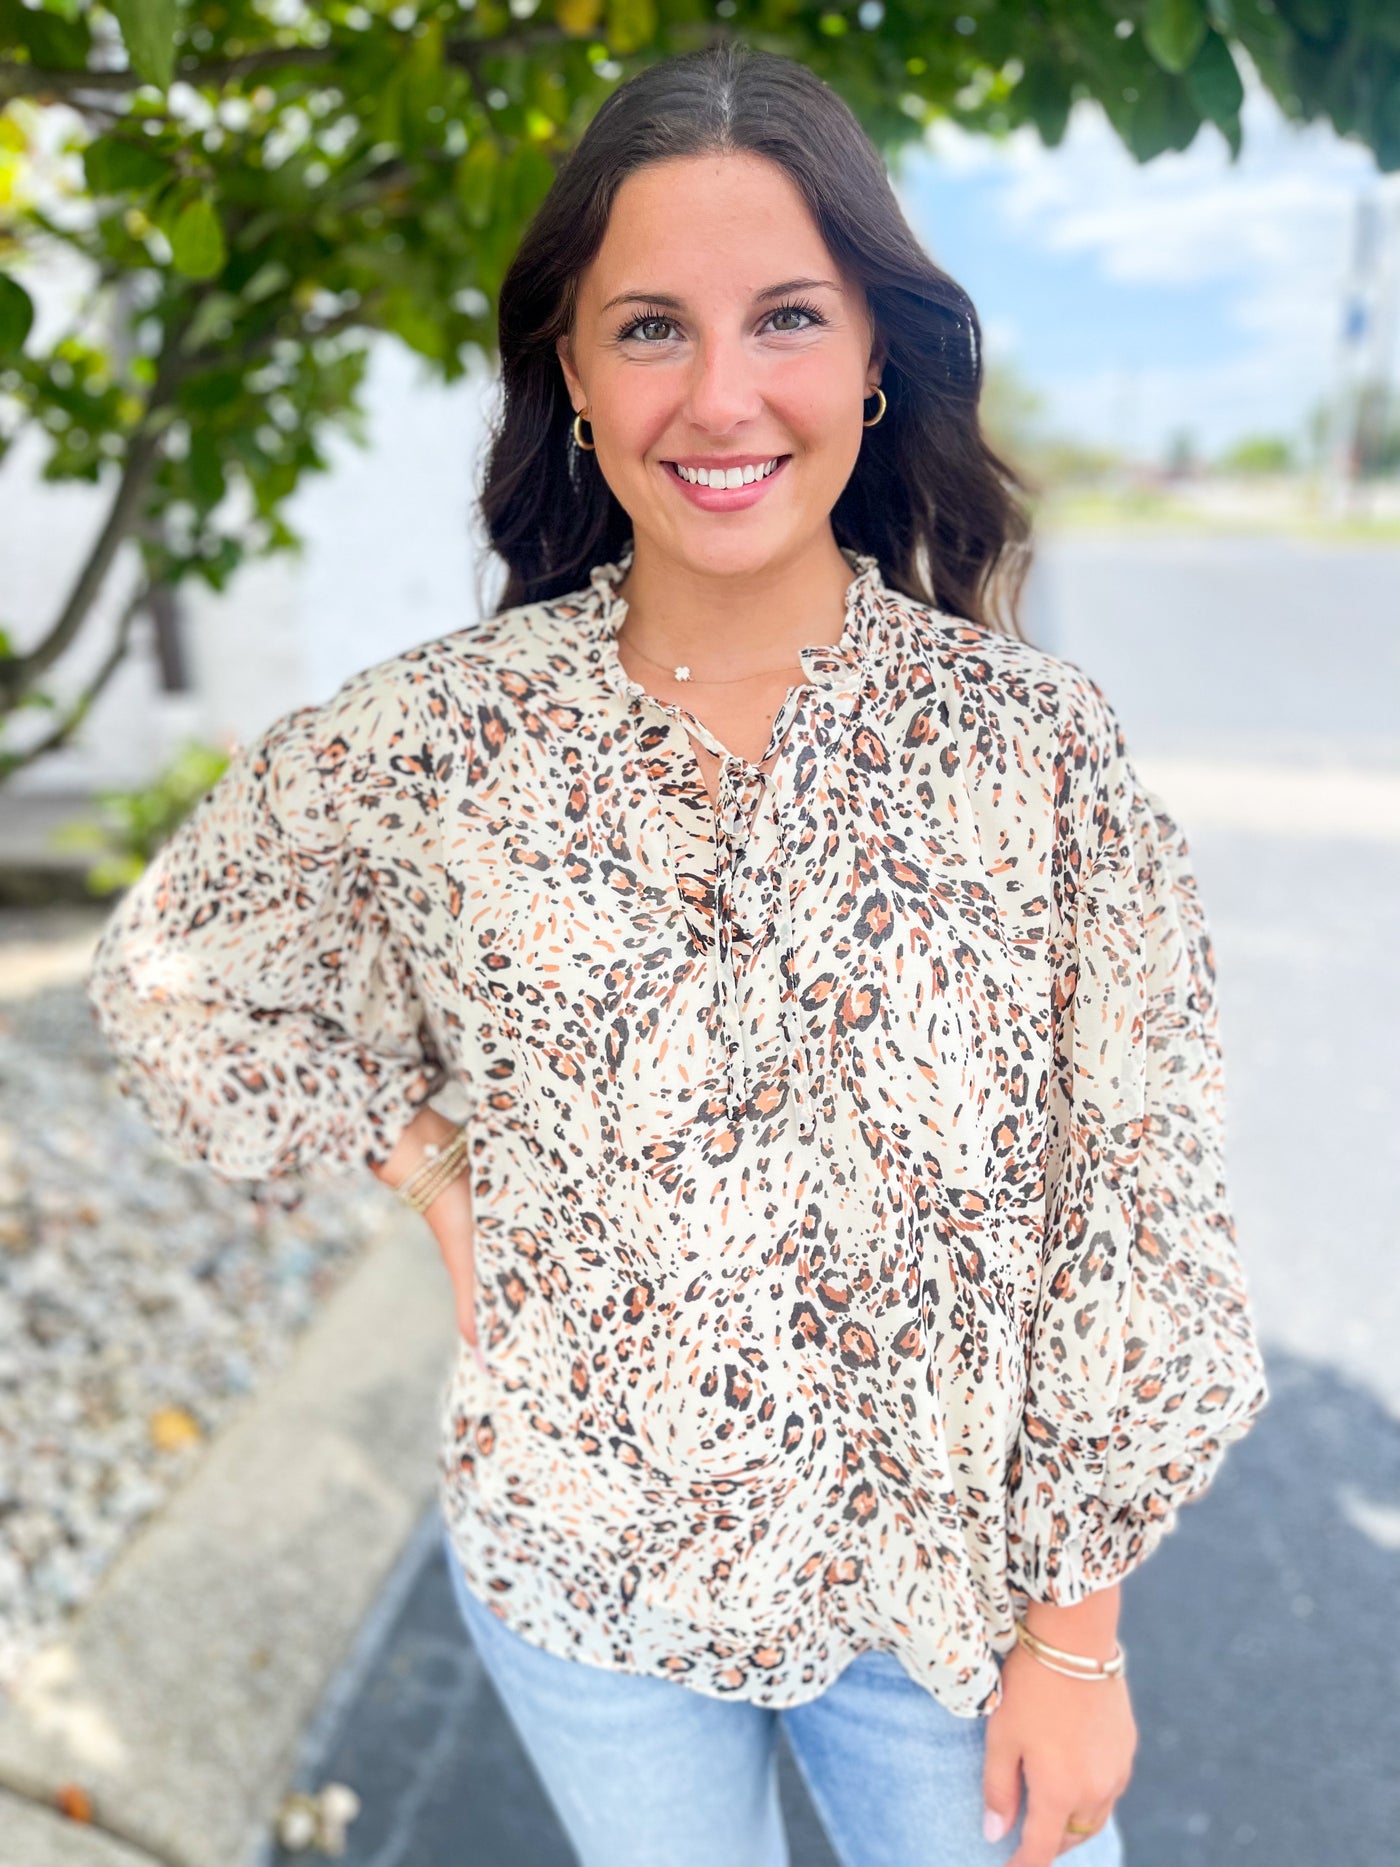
[[1079, 1666], [437, 1168]]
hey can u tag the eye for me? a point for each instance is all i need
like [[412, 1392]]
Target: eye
[[625, 331], [801, 307], [652, 315]]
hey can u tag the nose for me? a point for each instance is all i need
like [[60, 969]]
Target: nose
[[723, 390]]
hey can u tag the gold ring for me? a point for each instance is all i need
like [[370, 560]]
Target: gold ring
[[1073, 1828]]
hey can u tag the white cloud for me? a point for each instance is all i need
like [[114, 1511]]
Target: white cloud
[[1273, 232]]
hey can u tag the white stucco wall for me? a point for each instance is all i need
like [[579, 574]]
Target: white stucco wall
[[391, 559]]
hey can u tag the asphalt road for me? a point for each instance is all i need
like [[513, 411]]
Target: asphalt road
[[1263, 1633]]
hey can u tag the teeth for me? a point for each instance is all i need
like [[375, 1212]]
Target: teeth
[[727, 476]]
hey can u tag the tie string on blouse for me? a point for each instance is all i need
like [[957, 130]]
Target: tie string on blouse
[[841, 674]]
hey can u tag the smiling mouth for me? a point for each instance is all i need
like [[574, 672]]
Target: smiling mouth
[[726, 478]]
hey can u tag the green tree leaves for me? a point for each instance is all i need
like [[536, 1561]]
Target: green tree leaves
[[1174, 31], [119, 163], [475, 178], [1216, 88], [632, 25], [16, 315], [148, 32], [51, 40], [196, 239], [348, 168]]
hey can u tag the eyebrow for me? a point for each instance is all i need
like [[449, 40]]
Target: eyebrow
[[769, 291]]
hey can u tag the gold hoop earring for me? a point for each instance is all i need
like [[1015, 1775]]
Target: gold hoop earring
[[883, 405], [587, 446]]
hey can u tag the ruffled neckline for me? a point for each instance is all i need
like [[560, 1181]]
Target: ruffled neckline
[[840, 666], [842, 669]]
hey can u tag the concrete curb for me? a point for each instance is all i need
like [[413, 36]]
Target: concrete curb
[[181, 1695], [40, 1837]]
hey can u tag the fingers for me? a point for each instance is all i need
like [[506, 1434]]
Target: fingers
[[466, 1328], [1001, 1788], [1086, 1815], [1042, 1836], [1046, 1833]]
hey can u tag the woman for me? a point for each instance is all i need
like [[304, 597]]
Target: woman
[[846, 1285]]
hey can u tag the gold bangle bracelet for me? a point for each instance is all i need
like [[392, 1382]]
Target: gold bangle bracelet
[[427, 1190], [1079, 1665], [445, 1169], [431, 1167], [433, 1154], [434, 1170], [425, 1197], [422, 1200]]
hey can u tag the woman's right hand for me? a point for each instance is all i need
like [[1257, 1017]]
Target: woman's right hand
[[449, 1219], [449, 1216]]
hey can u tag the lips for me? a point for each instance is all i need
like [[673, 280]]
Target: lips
[[682, 468], [726, 498]]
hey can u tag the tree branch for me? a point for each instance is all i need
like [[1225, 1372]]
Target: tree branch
[[11, 762], [33, 81], [19, 672], [190, 365], [470, 52]]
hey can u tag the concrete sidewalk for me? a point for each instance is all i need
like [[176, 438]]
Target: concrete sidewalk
[[180, 1698]]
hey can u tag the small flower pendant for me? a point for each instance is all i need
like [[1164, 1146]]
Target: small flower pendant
[[682, 674]]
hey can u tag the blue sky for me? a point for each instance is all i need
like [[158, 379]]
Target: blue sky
[[1144, 299]]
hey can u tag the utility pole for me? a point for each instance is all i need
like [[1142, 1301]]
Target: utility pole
[[1126, 387], [1365, 343], [1379, 385]]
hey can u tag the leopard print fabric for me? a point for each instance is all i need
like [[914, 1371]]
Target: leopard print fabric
[[855, 1261]]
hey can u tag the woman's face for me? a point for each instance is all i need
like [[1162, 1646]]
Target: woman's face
[[681, 353]]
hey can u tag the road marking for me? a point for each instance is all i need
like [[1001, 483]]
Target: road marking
[[1337, 802]]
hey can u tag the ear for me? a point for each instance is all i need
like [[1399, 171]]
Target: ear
[[563, 349]]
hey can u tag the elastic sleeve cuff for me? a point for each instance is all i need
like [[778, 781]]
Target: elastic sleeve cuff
[[1104, 1545]]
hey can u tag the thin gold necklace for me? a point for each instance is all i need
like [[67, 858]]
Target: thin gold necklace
[[682, 673]]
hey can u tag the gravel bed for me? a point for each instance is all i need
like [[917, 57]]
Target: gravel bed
[[142, 1302]]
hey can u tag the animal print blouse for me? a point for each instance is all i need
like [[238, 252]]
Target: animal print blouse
[[855, 1260]]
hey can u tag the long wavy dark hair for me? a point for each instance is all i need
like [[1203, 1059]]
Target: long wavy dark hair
[[928, 497]]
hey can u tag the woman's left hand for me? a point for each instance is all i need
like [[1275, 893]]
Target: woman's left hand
[[1073, 1741]]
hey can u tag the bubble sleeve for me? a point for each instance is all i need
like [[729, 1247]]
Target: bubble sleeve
[[251, 991], [1144, 1365]]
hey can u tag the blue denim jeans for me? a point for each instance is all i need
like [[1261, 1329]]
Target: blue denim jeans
[[646, 1772]]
